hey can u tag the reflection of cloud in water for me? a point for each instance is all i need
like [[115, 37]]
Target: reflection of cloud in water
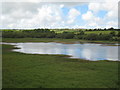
[[70, 52], [112, 54], [74, 51], [86, 53], [83, 51]]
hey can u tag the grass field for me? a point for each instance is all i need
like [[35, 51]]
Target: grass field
[[55, 71], [98, 32], [15, 40], [68, 30], [86, 32]]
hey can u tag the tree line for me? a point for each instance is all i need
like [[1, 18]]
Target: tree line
[[99, 29], [47, 33]]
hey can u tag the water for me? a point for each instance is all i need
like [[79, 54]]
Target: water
[[86, 51]]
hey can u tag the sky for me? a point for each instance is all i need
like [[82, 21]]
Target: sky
[[73, 14]]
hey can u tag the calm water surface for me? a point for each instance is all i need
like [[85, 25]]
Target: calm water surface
[[83, 51]]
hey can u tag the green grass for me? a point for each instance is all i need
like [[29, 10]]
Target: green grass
[[15, 40], [55, 71], [86, 32], [98, 32], [67, 30]]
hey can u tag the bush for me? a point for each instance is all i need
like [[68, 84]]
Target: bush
[[113, 33], [65, 35], [46, 33]]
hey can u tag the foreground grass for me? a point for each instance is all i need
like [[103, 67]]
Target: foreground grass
[[56, 71], [15, 40]]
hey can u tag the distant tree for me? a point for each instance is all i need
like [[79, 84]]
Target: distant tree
[[95, 29], [81, 33], [65, 35], [99, 29], [113, 33], [100, 34], [118, 34], [111, 28], [91, 37], [104, 29]]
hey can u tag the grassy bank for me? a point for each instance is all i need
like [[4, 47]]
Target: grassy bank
[[15, 40], [55, 71]]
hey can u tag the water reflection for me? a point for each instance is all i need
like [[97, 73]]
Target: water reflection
[[83, 51]]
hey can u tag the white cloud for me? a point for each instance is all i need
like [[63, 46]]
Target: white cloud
[[34, 15], [92, 21], [112, 23], [92, 24], [112, 14], [111, 7], [73, 13], [109, 20], [94, 7], [79, 26], [50, 15], [62, 5], [105, 5], [88, 16], [21, 14], [36, 1], [46, 16]]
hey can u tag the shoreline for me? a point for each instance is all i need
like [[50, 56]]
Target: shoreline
[[102, 44], [61, 55], [57, 40]]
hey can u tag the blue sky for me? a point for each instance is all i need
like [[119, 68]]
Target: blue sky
[[83, 9], [59, 15]]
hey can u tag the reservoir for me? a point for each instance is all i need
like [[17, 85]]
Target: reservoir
[[87, 51]]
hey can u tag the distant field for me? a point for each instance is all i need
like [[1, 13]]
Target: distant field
[[76, 31], [98, 32], [86, 32], [15, 40], [68, 30]]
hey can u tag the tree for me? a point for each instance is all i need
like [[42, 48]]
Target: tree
[[111, 28], [91, 37], [105, 29], [113, 33], [100, 34], [118, 34], [81, 33]]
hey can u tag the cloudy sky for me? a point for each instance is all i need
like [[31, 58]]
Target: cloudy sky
[[21, 15]]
